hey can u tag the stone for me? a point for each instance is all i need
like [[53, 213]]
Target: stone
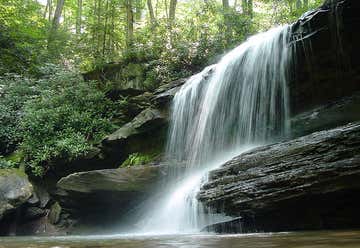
[[312, 182], [103, 197], [328, 116], [326, 66], [54, 214], [15, 190], [31, 213], [43, 195], [145, 134]]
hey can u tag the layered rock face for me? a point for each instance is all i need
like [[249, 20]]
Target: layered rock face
[[326, 65], [311, 182]]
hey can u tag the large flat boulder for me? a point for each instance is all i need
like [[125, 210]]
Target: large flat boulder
[[311, 182], [104, 197]]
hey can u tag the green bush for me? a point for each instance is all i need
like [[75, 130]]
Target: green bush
[[6, 164], [63, 121], [14, 92]]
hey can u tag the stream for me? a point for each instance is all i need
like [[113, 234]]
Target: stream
[[320, 239]]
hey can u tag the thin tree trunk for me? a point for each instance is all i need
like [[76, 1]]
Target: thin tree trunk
[[46, 8], [306, 3], [151, 12], [129, 24], [105, 26], [244, 6], [172, 10], [98, 25], [57, 15], [226, 7], [50, 10], [111, 33], [78, 16], [250, 8], [298, 4]]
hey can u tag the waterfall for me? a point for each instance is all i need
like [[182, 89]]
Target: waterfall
[[240, 102]]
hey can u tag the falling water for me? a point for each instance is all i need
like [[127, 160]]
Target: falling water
[[239, 103]]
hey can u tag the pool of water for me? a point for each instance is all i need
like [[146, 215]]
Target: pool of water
[[324, 239]]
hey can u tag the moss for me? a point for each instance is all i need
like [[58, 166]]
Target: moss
[[6, 172], [15, 157], [135, 159]]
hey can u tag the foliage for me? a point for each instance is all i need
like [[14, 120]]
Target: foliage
[[135, 159], [64, 120], [22, 35], [14, 92], [6, 164]]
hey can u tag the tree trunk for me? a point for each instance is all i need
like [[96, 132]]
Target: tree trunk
[[46, 8], [227, 24], [250, 8], [78, 16], [57, 15], [50, 10], [306, 3], [244, 6], [151, 12], [298, 4], [105, 27], [225, 4], [129, 24], [172, 9]]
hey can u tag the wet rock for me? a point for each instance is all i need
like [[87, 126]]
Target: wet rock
[[307, 183], [31, 213], [104, 196], [42, 195], [165, 93], [144, 134], [231, 226], [15, 190], [55, 212], [329, 116], [326, 65]]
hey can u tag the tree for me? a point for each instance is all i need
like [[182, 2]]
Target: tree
[[78, 16], [57, 14], [151, 12], [172, 10], [129, 23]]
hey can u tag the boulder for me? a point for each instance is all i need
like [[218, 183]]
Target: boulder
[[145, 134], [15, 190], [165, 93], [105, 196], [54, 214], [312, 182], [31, 213]]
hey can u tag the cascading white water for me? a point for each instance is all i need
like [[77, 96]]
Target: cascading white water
[[244, 103]]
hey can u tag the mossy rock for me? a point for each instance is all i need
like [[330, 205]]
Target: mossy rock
[[15, 190]]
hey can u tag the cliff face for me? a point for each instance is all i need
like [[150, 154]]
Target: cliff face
[[327, 65]]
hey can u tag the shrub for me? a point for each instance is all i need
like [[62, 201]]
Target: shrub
[[63, 121]]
